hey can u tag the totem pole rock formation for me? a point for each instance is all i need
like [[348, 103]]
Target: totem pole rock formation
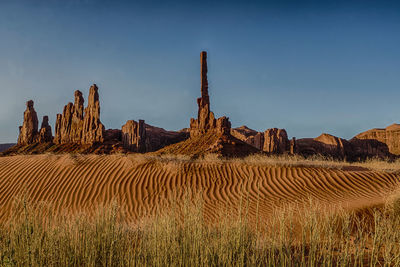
[[29, 130], [134, 136], [205, 118]]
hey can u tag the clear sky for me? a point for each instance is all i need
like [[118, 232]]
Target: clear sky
[[306, 66]]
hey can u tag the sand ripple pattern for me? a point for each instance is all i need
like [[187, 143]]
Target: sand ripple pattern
[[145, 187]]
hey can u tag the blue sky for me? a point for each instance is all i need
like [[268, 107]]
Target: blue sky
[[306, 66]]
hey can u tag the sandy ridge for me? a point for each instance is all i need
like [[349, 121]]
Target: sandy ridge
[[146, 186]]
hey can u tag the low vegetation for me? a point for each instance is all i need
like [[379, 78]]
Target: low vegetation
[[292, 236], [375, 164]]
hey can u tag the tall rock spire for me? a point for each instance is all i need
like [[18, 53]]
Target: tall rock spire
[[93, 129], [204, 82], [205, 118]]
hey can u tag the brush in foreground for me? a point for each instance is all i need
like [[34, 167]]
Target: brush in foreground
[[36, 237]]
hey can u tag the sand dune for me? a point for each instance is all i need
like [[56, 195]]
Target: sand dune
[[144, 186]]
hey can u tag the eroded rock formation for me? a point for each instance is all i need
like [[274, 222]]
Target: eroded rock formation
[[389, 136], [76, 134], [205, 118], [326, 145], [134, 136], [78, 125], [80, 129], [93, 129], [276, 141], [45, 135], [251, 137], [28, 132]]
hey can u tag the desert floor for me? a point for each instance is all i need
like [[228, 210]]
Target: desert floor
[[147, 185]]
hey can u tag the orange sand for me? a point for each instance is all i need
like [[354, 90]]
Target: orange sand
[[145, 186]]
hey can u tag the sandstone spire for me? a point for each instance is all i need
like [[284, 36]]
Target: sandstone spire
[[205, 118], [45, 135], [77, 118], [93, 129], [29, 130], [205, 99]]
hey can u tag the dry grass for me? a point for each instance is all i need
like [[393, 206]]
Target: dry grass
[[374, 164], [36, 237]]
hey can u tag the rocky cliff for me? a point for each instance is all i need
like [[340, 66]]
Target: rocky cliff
[[134, 136], [272, 141], [276, 141], [389, 136]]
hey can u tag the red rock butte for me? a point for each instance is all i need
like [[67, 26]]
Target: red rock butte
[[80, 129]]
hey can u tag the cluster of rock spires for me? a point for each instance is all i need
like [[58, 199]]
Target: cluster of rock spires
[[79, 127], [82, 127]]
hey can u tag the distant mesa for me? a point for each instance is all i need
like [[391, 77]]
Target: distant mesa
[[79, 129], [5, 146]]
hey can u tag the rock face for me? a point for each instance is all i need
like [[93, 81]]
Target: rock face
[[75, 134], [339, 148], [205, 118], [251, 137], [333, 145], [389, 136], [272, 141], [80, 126], [141, 137], [326, 145], [134, 136], [276, 141], [368, 148], [157, 138], [28, 132], [45, 135]]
